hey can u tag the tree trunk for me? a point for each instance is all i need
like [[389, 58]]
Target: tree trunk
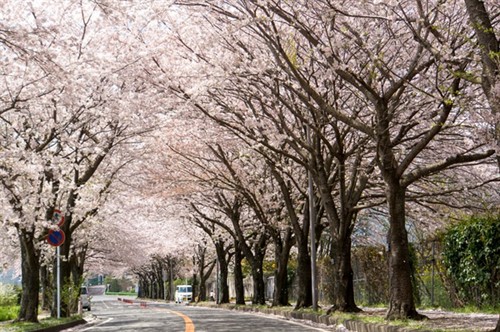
[[280, 294], [171, 288], [238, 275], [401, 302], [204, 278], [142, 287], [282, 255], [203, 290], [343, 283], [304, 283], [224, 287], [45, 282], [193, 287], [259, 287], [30, 267], [223, 273], [161, 288]]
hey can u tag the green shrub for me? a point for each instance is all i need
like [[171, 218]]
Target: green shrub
[[472, 258], [9, 295]]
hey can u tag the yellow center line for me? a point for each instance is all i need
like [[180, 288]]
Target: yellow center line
[[187, 321]]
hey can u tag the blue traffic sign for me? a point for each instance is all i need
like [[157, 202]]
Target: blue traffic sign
[[56, 238]]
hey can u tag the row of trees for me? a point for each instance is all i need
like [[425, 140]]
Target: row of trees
[[378, 102]]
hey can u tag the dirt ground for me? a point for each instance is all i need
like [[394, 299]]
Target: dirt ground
[[439, 319]]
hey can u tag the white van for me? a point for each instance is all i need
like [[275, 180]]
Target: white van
[[183, 293]]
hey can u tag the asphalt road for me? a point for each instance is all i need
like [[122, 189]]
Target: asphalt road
[[110, 315]]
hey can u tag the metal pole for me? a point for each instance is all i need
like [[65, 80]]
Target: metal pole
[[312, 223], [432, 277], [217, 282], [172, 286], [164, 279], [58, 272]]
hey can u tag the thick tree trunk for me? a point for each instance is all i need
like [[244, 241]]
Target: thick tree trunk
[[259, 287], [401, 302], [152, 286], [45, 283], [170, 272], [194, 287], [238, 276], [142, 287], [343, 283], [203, 290], [224, 287], [161, 288], [30, 267], [304, 283], [280, 294], [282, 255], [205, 273], [223, 273]]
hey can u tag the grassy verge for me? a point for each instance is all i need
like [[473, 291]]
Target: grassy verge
[[44, 323], [122, 293], [366, 317]]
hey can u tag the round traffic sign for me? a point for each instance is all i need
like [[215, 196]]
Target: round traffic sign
[[56, 238], [58, 218]]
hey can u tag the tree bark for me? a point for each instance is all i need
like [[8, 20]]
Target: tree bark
[[30, 267], [282, 255], [203, 290], [259, 287], [45, 283], [204, 275], [304, 291], [401, 302], [343, 283], [193, 287], [238, 275], [223, 272]]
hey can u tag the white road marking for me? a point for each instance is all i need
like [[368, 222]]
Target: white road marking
[[101, 323]]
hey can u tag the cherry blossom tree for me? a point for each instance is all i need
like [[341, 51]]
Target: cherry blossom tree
[[65, 128]]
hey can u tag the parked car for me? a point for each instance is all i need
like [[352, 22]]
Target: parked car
[[85, 298]]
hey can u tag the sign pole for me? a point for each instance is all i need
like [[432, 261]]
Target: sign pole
[[55, 238], [58, 283]]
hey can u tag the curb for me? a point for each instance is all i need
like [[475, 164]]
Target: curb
[[352, 325], [61, 327]]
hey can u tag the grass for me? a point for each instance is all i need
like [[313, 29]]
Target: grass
[[474, 309], [122, 293], [44, 323], [8, 312], [365, 317]]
